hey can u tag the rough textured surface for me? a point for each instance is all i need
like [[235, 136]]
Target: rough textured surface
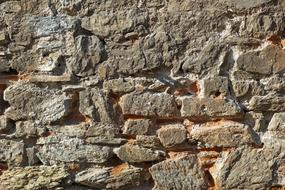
[[110, 178], [244, 169], [36, 177], [180, 173], [224, 134], [140, 95]]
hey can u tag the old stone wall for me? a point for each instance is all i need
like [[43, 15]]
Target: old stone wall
[[142, 94]]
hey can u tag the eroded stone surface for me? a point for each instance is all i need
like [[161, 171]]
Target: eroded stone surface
[[116, 177], [135, 153], [148, 104], [60, 149], [171, 135], [210, 108], [179, 173], [36, 177], [191, 93], [244, 168], [267, 103], [224, 134], [137, 126], [28, 101], [269, 60]]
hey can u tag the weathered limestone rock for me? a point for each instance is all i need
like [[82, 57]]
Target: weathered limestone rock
[[122, 86], [135, 153], [28, 101], [31, 156], [171, 135], [243, 4], [58, 149], [205, 62], [269, 60], [277, 125], [248, 89], [28, 129], [274, 83], [179, 173], [148, 141], [46, 26], [256, 120], [110, 178], [105, 24], [36, 177], [193, 107], [224, 134], [215, 87], [95, 104], [137, 126], [12, 152], [77, 130], [270, 102], [119, 85], [93, 133], [104, 134], [244, 168], [90, 52], [149, 104]]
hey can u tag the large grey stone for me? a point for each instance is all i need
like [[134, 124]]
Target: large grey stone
[[206, 61], [29, 101], [33, 177], [180, 173], [171, 135], [269, 102], [110, 178], [244, 168], [135, 153], [59, 149], [149, 104], [210, 108], [137, 126], [45, 26], [89, 52], [277, 125], [224, 134], [29, 129], [215, 87], [95, 104], [267, 61]]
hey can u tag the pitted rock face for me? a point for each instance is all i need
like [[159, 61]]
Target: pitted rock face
[[29, 101], [36, 177], [149, 105], [140, 95], [180, 173], [237, 169]]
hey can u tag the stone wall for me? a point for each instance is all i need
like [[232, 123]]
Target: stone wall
[[142, 94]]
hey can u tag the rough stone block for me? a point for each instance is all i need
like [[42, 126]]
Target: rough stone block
[[29, 101], [135, 154], [224, 134], [171, 135], [137, 126], [110, 178], [180, 173], [149, 104], [209, 108]]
